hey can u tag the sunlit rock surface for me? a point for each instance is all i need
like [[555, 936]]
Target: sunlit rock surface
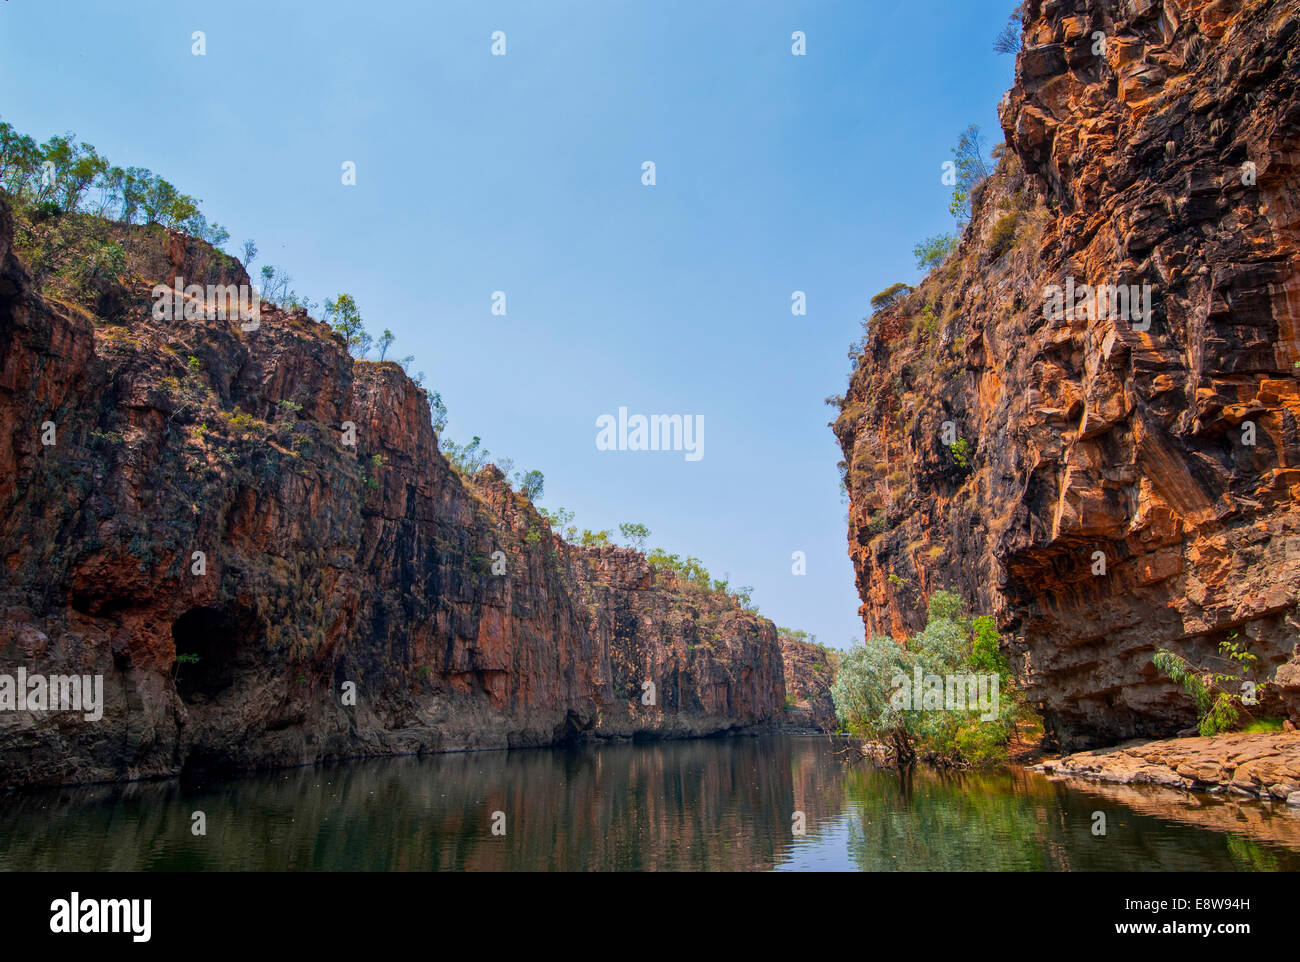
[[1112, 490]]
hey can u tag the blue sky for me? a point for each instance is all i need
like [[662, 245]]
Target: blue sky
[[522, 173]]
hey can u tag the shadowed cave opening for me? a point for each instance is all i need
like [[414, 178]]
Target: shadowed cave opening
[[207, 642]]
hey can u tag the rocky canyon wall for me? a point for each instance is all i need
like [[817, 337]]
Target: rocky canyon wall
[[183, 516], [1106, 487], [809, 674]]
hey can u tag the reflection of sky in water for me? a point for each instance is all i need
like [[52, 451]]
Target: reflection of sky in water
[[825, 851], [703, 805]]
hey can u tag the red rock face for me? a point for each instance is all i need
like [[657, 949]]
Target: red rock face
[[330, 569], [809, 674], [1168, 158]]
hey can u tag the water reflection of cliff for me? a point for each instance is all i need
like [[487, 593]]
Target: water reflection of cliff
[[679, 805], [1253, 825], [1018, 821], [714, 804]]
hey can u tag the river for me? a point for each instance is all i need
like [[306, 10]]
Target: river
[[702, 805]]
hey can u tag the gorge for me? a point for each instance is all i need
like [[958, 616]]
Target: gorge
[[258, 542], [257, 592]]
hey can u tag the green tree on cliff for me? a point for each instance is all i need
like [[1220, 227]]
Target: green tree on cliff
[[634, 534], [345, 318], [890, 296], [437, 408], [532, 484], [1008, 41], [469, 458], [63, 176], [972, 170], [933, 251]]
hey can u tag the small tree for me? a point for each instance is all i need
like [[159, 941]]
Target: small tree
[[469, 458], [961, 452], [863, 699], [135, 183], [688, 569], [933, 251], [797, 634], [532, 484], [1009, 40], [275, 288], [952, 646], [19, 161], [385, 341], [437, 409], [744, 596], [1217, 694], [634, 534], [560, 520], [345, 319], [972, 169], [76, 166], [249, 253], [186, 393], [890, 296]]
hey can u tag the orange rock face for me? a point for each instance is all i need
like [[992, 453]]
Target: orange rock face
[[1106, 486], [353, 598]]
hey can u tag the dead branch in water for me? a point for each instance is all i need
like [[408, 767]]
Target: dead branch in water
[[856, 752]]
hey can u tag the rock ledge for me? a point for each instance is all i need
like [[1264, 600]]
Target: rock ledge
[[1266, 766]]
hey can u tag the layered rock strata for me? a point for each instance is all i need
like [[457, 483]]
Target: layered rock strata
[[254, 541], [1106, 486]]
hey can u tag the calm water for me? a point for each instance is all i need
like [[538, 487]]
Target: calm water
[[722, 804]]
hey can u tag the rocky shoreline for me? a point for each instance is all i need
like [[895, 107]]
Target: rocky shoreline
[[1265, 766]]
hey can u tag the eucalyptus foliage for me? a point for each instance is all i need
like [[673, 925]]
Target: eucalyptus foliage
[[951, 644]]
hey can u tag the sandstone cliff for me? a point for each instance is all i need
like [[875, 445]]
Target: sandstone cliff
[[326, 567], [809, 673], [1106, 490]]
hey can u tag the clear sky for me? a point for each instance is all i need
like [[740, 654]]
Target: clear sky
[[522, 173]]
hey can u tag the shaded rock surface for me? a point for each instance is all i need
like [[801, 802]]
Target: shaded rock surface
[[1103, 489], [809, 674], [327, 567]]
